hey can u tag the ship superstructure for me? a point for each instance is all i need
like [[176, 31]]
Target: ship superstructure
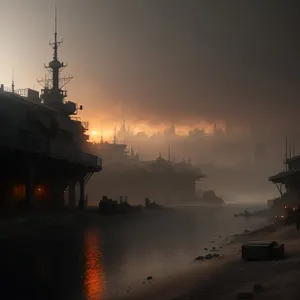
[[43, 144], [53, 92]]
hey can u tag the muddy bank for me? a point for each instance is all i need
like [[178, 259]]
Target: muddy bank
[[228, 277]]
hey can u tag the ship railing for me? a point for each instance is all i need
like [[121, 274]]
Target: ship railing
[[7, 89], [85, 125], [20, 92]]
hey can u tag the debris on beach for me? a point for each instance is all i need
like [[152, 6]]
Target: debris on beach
[[149, 278], [199, 258], [262, 251], [205, 249], [208, 256]]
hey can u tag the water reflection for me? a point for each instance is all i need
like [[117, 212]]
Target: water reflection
[[94, 277], [113, 253]]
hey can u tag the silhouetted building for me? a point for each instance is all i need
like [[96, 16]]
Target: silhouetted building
[[123, 134]]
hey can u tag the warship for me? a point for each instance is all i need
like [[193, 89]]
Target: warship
[[43, 144], [124, 174]]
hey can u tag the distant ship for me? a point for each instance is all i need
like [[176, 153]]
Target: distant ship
[[43, 146], [124, 174]]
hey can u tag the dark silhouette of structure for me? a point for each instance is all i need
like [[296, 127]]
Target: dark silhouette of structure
[[43, 144], [111, 207], [124, 174]]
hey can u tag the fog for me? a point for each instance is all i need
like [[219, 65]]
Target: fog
[[194, 64], [236, 164]]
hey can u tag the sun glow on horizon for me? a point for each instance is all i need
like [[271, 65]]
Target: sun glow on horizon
[[96, 135]]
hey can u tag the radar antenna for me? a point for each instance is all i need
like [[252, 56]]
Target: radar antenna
[[13, 82], [53, 88]]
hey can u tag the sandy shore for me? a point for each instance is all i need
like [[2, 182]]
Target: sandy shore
[[228, 276]]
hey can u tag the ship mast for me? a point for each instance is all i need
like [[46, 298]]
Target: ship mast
[[55, 65], [54, 95]]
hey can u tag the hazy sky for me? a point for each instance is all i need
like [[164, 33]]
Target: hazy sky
[[163, 60]]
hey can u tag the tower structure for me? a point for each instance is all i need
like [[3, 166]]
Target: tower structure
[[123, 132], [53, 92]]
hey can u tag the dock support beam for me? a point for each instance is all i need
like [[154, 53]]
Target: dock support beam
[[81, 198], [29, 196]]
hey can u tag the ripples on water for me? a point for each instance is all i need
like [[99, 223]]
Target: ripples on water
[[100, 257]]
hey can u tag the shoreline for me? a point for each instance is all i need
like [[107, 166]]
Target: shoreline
[[232, 275], [19, 223]]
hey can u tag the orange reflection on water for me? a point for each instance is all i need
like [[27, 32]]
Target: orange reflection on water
[[94, 279]]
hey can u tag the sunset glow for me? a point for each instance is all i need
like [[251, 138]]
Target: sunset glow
[[134, 128], [96, 135]]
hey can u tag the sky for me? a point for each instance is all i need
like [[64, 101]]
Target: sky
[[159, 62]]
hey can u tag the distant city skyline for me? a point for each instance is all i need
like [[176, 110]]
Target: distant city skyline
[[163, 130]]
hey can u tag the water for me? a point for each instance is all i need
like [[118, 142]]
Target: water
[[100, 257]]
